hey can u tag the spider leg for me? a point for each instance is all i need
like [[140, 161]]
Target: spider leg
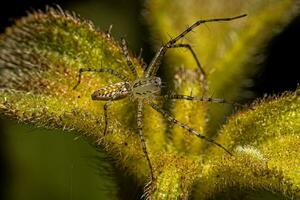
[[170, 118], [100, 70], [191, 98], [203, 99], [141, 134], [202, 72], [141, 60], [155, 63], [140, 55], [128, 60], [105, 108]]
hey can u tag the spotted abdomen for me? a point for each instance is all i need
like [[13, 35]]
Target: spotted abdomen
[[111, 92]]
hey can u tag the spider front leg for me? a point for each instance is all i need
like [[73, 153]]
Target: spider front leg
[[202, 72], [171, 119], [144, 146], [156, 61], [128, 60]]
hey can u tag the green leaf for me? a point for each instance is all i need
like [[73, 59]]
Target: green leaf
[[39, 61], [266, 143]]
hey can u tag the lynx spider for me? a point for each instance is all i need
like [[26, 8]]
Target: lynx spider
[[145, 89]]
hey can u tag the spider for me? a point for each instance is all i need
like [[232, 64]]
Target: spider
[[147, 88]]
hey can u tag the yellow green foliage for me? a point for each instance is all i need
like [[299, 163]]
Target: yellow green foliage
[[39, 61], [40, 57], [229, 51], [266, 143]]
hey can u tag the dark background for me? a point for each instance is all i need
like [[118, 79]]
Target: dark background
[[278, 73]]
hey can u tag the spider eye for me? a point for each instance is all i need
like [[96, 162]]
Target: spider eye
[[157, 81]]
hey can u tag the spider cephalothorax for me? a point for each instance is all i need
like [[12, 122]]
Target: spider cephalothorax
[[146, 88]]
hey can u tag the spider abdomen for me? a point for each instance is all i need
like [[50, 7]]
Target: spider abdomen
[[111, 92]]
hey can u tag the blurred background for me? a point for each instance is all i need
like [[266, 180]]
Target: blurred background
[[45, 164]]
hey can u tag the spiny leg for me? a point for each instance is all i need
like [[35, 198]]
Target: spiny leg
[[155, 63], [170, 118], [203, 99], [202, 72], [105, 108], [191, 98], [100, 70], [128, 60], [141, 135], [141, 60]]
